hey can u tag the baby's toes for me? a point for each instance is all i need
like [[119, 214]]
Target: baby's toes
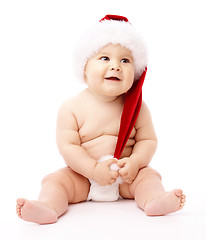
[[178, 193], [18, 210], [20, 203], [184, 197], [182, 201]]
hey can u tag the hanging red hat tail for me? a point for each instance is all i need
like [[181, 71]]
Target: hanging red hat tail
[[130, 113]]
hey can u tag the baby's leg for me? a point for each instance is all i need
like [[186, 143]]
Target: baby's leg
[[58, 190], [150, 195]]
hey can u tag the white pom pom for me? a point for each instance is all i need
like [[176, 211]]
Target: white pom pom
[[105, 193], [106, 157], [114, 167]]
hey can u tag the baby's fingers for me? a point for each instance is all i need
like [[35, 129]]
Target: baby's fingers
[[110, 162], [129, 181], [112, 181], [123, 172], [115, 174], [121, 163]]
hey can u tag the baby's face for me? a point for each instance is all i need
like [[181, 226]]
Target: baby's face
[[111, 71]]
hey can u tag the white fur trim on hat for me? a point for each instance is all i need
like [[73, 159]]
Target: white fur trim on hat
[[104, 33]]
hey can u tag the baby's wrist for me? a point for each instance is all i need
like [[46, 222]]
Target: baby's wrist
[[135, 161], [92, 172]]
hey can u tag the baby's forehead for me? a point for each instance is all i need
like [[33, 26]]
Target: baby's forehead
[[115, 48]]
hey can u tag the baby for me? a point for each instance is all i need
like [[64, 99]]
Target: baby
[[111, 57]]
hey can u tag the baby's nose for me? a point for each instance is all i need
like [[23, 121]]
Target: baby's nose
[[115, 67]]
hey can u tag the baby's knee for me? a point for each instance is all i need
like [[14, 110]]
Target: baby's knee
[[58, 177], [48, 178], [148, 172]]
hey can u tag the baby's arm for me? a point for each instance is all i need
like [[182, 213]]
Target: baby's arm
[[75, 156], [143, 150]]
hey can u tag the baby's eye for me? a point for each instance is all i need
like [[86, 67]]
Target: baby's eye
[[104, 58], [125, 60]]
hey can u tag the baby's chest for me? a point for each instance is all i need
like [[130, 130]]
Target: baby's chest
[[98, 123]]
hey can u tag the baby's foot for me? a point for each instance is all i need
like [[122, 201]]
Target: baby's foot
[[34, 211], [168, 202]]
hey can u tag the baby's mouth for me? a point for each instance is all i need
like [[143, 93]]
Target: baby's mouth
[[113, 78]]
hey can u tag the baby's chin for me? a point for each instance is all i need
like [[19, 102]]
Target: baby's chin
[[114, 91]]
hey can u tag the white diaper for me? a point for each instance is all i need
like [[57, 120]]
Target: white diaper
[[106, 193]]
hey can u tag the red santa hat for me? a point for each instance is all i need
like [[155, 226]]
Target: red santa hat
[[115, 30]]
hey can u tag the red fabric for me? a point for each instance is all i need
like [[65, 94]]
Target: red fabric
[[114, 17], [133, 102]]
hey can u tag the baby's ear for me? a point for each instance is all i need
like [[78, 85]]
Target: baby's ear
[[85, 76]]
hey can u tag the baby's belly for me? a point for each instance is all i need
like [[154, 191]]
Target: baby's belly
[[104, 145]]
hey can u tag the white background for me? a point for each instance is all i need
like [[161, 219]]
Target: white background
[[36, 76]]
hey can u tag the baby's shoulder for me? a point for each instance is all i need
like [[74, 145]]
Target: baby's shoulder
[[144, 115], [71, 104], [144, 106], [144, 111]]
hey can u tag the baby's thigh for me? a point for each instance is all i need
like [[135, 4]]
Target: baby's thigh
[[128, 190], [76, 185], [124, 191]]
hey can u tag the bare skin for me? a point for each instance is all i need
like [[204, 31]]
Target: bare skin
[[87, 129]]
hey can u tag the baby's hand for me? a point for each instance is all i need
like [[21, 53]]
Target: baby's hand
[[103, 175], [128, 169]]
